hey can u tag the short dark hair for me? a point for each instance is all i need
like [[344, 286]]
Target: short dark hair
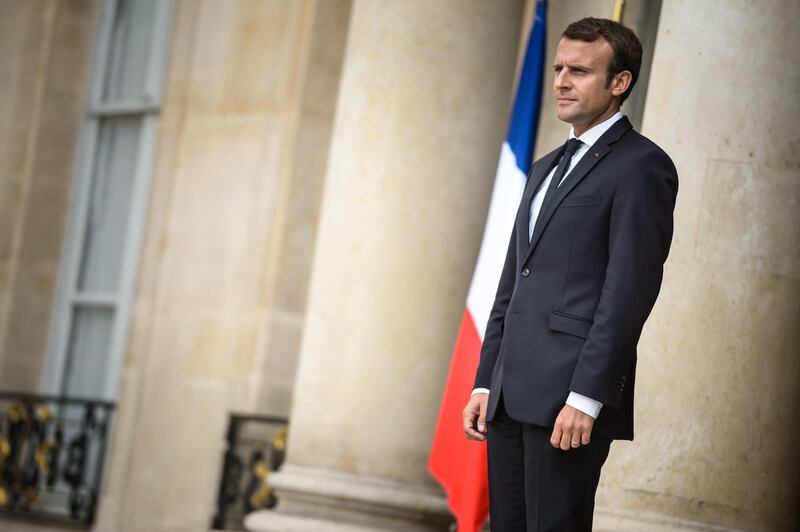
[[624, 42]]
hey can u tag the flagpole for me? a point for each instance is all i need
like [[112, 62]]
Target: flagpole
[[619, 7]]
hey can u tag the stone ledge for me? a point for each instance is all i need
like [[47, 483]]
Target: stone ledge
[[606, 520], [346, 500], [267, 520]]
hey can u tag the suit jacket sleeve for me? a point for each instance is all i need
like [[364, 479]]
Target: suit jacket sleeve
[[640, 232], [494, 327]]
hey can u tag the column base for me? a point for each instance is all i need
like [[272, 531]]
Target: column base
[[320, 500], [607, 520]]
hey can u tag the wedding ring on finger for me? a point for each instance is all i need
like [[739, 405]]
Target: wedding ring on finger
[[574, 443]]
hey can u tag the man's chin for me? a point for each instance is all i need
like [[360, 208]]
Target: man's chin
[[564, 116]]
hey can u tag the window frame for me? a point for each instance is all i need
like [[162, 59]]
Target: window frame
[[69, 298]]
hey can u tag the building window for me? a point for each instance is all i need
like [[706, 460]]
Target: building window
[[102, 242]]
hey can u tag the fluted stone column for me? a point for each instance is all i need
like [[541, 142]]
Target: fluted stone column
[[421, 115], [718, 382]]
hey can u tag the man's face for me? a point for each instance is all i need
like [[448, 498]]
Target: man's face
[[582, 95]]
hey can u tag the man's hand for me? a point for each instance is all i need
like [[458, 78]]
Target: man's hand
[[573, 428], [475, 417]]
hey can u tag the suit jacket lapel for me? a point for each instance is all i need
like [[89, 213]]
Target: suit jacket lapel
[[601, 148], [537, 174]]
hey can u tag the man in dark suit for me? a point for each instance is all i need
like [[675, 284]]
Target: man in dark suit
[[583, 268]]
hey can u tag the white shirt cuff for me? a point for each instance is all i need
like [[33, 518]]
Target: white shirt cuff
[[587, 405], [479, 390]]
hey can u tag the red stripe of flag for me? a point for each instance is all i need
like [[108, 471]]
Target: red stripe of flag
[[456, 462]]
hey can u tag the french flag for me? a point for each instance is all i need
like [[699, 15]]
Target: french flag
[[458, 464]]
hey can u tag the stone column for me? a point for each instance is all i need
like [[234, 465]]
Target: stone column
[[421, 115], [718, 382]]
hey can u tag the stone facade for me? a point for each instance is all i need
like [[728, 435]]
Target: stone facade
[[237, 179], [322, 175], [45, 53]]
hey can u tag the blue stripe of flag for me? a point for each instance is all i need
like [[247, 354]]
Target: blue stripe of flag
[[525, 115]]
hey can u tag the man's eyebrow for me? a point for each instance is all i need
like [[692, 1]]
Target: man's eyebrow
[[573, 67]]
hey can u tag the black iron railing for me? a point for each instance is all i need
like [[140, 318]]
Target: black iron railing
[[52, 451], [256, 447]]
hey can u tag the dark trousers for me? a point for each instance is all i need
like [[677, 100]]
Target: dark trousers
[[534, 487]]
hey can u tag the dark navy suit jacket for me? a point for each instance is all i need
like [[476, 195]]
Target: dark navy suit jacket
[[571, 305]]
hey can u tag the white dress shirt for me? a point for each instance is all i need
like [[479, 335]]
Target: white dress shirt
[[587, 405]]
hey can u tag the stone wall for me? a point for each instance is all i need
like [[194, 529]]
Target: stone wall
[[230, 229], [45, 54]]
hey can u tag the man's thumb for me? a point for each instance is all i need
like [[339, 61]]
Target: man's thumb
[[482, 417]]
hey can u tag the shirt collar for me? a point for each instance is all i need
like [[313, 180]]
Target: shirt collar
[[595, 132]]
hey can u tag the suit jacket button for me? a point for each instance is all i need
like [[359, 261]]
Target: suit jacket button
[[526, 272]]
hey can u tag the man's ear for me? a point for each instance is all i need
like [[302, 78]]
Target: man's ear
[[621, 82]]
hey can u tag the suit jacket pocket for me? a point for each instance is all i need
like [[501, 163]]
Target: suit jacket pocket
[[582, 201], [566, 323]]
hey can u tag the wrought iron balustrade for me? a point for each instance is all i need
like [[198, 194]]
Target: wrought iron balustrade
[[256, 447], [52, 451]]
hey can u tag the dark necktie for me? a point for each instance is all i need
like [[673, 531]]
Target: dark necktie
[[570, 148]]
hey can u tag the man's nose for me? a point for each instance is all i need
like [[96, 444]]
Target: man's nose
[[562, 80]]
